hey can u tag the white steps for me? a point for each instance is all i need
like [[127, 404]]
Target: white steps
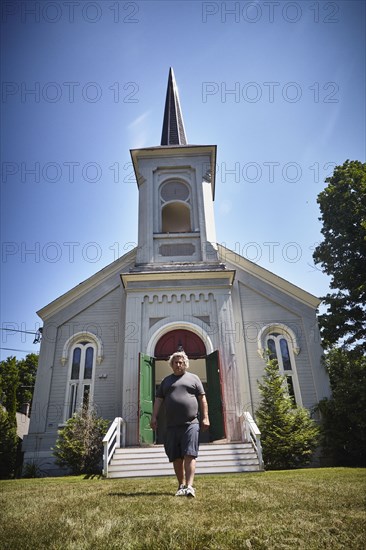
[[213, 459]]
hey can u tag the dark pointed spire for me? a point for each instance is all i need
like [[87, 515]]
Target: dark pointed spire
[[173, 128]]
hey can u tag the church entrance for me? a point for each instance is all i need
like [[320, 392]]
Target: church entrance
[[154, 369]]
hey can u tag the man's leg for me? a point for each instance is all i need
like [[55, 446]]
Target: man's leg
[[179, 470], [190, 447], [190, 469]]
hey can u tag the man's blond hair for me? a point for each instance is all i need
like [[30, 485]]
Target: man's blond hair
[[179, 354]]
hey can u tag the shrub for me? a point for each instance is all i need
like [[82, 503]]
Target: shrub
[[8, 444], [344, 414], [289, 435], [79, 445], [33, 469]]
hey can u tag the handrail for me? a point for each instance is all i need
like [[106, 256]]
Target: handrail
[[114, 439], [252, 434]]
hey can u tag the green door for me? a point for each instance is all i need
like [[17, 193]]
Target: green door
[[214, 396], [146, 398]]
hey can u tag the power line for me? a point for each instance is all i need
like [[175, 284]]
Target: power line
[[22, 350], [37, 334], [17, 330]]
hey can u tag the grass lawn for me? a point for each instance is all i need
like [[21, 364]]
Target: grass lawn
[[299, 509]]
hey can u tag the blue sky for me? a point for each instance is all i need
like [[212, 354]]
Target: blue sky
[[278, 86]]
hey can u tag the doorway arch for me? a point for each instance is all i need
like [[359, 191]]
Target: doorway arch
[[178, 340], [179, 325]]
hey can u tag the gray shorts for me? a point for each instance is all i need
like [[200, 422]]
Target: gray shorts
[[181, 441]]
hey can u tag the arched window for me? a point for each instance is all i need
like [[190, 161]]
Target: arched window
[[175, 206], [281, 344], [81, 352], [81, 377]]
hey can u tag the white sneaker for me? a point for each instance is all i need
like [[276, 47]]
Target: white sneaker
[[181, 491], [190, 492]]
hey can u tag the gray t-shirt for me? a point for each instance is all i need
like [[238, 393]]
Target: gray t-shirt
[[180, 395]]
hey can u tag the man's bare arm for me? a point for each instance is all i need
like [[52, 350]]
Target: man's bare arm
[[205, 421], [154, 418]]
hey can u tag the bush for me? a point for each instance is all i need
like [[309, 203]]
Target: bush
[[79, 445], [344, 414], [8, 444], [33, 469], [289, 436]]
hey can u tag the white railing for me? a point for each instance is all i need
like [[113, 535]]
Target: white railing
[[252, 435], [114, 439]]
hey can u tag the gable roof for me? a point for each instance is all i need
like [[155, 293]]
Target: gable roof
[[239, 262], [225, 254], [89, 284]]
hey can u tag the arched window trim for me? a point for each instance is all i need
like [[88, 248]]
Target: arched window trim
[[293, 348], [282, 329], [176, 201], [80, 337]]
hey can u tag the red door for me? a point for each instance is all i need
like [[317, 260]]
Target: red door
[[172, 341]]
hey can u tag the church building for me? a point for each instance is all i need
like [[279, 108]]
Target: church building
[[106, 341]]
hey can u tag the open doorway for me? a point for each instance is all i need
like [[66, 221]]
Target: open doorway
[[162, 369], [206, 367]]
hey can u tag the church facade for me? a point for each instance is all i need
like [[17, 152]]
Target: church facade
[[106, 342]]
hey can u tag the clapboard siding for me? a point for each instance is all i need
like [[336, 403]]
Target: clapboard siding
[[258, 310], [103, 319]]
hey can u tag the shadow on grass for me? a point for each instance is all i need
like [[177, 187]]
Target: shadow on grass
[[141, 494]]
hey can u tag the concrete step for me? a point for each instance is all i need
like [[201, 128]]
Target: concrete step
[[201, 462], [155, 455], [169, 471], [142, 459], [207, 446], [213, 458]]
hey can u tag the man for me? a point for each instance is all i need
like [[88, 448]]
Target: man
[[181, 393]]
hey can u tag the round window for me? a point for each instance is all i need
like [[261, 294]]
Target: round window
[[174, 191]]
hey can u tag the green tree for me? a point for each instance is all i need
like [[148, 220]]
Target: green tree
[[79, 444], [8, 444], [17, 380], [9, 379], [27, 377], [342, 255], [344, 414], [289, 435]]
